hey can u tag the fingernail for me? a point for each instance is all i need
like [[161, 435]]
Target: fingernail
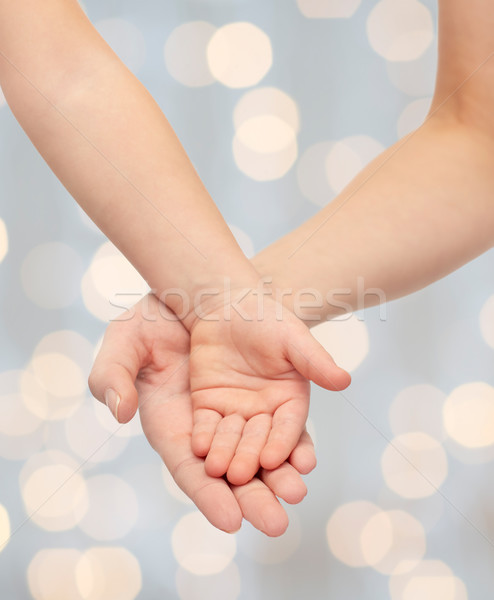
[[112, 400]]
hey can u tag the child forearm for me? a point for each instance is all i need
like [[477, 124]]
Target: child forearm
[[111, 146]]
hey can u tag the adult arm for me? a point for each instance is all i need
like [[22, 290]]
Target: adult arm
[[421, 209]]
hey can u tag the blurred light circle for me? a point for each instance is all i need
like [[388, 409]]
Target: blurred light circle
[[51, 574], [185, 53], [429, 579], [268, 550], [417, 77], [125, 39], [400, 30], [376, 538], [347, 340], [172, 487], [69, 343], [108, 573], [413, 116], [487, 322], [328, 9], [344, 531], [58, 374], [42, 403], [4, 527], [243, 240], [312, 177], [199, 547], [53, 491], [418, 408], [348, 157], [113, 508], [407, 547], [263, 166], [3, 102], [267, 101], [16, 419], [468, 414], [414, 465], [265, 145], [4, 238], [111, 284], [224, 585], [239, 54], [51, 275], [101, 445], [265, 134], [20, 431]]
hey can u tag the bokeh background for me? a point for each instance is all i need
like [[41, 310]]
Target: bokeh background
[[279, 104]]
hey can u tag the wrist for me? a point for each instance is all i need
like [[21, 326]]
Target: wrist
[[212, 300], [307, 304]]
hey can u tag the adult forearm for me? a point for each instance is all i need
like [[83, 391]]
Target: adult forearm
[[419, 211]]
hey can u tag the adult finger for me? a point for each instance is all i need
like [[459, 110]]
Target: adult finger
[[112, 378]]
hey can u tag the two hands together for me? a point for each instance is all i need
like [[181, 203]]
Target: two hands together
[[224, 402]]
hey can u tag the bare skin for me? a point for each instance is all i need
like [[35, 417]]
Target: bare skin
[[146, 359]]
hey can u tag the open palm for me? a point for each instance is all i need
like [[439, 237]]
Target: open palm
[[250, 386]]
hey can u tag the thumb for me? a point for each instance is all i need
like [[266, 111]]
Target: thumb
[[313, 362], [112, 378]]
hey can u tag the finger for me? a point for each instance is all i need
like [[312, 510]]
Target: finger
[[112, 378], [245, 463], [313, 362], [303, 457], [261, 507], [167, 423], [285, 482], [224, 444], [205, 423], [212, 496], [288, 424]]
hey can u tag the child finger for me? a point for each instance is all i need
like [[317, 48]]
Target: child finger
[[205, 423], [245, 463], [288, 424], [303, 457], [225, 441], [285, 482]]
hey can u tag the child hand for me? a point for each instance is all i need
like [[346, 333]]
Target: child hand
[[250, 385]]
